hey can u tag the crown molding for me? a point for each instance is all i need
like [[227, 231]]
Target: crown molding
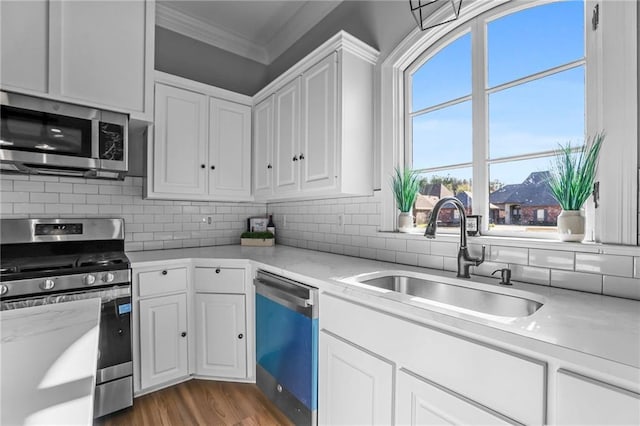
[[305, 19], [176, 21]]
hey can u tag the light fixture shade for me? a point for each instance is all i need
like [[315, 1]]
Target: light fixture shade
[[422, 10]]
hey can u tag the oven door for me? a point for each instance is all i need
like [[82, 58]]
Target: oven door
[[114, 355]]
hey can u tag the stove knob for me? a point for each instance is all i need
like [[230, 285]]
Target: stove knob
[[89, 279], [47, 284], [3, 289], [108, 277]]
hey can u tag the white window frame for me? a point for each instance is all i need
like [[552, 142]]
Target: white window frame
[[612, 105]]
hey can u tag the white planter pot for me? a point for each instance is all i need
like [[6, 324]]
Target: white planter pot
[[405, 222], [571, 225]]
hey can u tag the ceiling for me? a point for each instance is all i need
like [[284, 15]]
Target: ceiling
[[258, 30]]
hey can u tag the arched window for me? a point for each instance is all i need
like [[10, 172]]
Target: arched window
[[487, 105]]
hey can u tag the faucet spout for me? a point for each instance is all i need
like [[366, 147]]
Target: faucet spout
[[465, 260]]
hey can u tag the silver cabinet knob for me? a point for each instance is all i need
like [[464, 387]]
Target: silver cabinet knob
[[47, 284], [3, 289], [108, 277], [89, 279]]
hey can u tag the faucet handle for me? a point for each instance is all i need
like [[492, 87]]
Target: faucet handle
[[484, 249]]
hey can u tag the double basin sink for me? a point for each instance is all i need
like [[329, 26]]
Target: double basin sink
[[458, 294]]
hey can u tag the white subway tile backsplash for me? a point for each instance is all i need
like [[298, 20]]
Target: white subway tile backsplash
[[419, 246], [149, 224], [28, 186], [450, 264], [407, 258], [443, 248], [551, 259], [82, 188], [530, 274], [44, 197], [516, 255], [621, 287], [396, 244], [604, 264], [591, 283], [58, 187]]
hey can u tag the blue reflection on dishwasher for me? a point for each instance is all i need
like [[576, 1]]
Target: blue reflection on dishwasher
[[287, 347]]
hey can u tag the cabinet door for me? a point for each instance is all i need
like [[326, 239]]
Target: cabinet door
[[318, 128], [180, 146], [163, 339], [221, 349], [263, 148], [101, 50], [229, 149], [24, 45], [420, 402], [584, 401], [355, 387], [287, 128]]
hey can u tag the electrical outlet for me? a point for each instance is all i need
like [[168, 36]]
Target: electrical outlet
[[284, 220], [341, 221]]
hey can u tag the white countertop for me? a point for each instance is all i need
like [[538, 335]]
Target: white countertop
[[594, 325], [48, 363]]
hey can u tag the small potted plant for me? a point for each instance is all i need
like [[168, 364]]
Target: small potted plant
[[571, 180], [405, 185]]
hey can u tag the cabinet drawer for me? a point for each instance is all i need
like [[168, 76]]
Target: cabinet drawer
[[162, 281], [219, 280], [506, 382]]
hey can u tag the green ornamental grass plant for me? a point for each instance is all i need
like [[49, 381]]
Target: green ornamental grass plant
[[406, 185], [573, 172]]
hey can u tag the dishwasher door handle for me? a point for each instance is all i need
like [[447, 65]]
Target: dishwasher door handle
[[281, 296]]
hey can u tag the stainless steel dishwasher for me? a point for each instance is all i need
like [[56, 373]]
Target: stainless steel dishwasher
[[287, 345]]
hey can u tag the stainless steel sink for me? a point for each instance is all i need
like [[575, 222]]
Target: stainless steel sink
[[478, 300]]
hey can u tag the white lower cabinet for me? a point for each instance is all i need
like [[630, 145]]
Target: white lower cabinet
[[421, 402], [582, 400], [163, 339], [191, 320], [355, 387], [221, 349]]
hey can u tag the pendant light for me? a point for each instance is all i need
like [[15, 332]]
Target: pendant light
[[423, 10]]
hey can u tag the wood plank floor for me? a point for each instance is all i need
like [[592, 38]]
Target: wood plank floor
[[200, 402]]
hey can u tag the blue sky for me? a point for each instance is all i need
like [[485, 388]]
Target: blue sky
[[532, 117]]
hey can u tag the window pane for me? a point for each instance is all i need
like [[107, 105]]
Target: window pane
[[447, 183], [534, 40], [538, 115], [442, 137], [444, 77], [520, 199]]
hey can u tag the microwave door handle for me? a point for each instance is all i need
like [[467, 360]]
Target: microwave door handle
[[95, 137]]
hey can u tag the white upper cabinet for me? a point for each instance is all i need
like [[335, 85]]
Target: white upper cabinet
[[180, 145], [229, 149], [201, 147], [318, 138], [287, 127], [263, 148], [322, 124], [96, 53], [24, 44]]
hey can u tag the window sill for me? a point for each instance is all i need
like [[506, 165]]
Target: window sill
[[536, 243]]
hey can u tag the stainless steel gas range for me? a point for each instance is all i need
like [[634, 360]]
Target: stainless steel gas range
[[46, 261]]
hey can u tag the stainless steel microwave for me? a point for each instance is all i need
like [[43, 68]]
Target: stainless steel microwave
[[48, 137]]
